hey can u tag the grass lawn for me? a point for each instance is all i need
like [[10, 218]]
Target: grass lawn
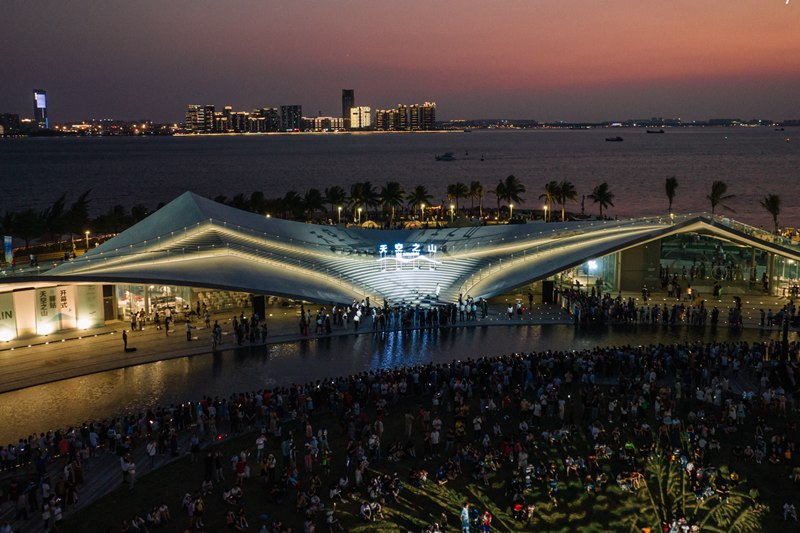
[[610, 510]]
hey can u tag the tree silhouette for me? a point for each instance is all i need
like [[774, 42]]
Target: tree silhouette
[[499, 192], [476, 193], [335, 196], [419, 196], [772, 203], [392, 196], [671, 186], [513, 190], [550, 196], [602, 196], [456, 191], [313, 201], [718, 195], [566, 191]]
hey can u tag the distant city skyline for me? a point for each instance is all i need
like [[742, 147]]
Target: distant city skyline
[[574, 61]]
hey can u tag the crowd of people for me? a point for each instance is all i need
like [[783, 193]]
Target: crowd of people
[[544, 423]]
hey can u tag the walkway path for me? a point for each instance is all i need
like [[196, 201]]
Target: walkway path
[[25, 363]]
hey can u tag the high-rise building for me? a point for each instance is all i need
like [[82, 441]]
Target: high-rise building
[[427, 116], [348, 101], [40, 109], [414, 117], [238, 122], [291, 117], [200, 118], [323, 123], [401, 118], [227, 111], [220, 122], [360, 118], [272, 118], [385, 119]]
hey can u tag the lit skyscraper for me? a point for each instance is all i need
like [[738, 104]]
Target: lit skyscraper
[[427, 116], [40, 109], [200, 118], [291, 117], [348, 101], [360, 118]]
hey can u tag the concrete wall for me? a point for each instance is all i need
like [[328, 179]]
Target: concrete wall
[[639, 266]]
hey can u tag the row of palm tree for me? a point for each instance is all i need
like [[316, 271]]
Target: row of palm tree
[[49, 224], [392, 197], [57, 220], [718, 196]]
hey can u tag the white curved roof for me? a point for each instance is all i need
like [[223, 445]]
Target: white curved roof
[[197, 242]]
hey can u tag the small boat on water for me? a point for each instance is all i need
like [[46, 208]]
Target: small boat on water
[[614, 139], [447, 156], [655, 131]]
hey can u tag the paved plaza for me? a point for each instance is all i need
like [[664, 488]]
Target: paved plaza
[[71, 354]]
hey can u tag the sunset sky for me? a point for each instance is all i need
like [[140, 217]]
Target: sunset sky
[[544, 59]]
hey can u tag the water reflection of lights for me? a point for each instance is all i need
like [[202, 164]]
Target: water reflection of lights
[[134, 389]]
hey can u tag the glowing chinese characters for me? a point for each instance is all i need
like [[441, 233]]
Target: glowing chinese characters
[[408, 256]]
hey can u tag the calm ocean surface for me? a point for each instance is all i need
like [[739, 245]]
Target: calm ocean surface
[[754, 162]]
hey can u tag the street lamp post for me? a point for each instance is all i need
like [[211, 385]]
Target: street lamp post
[[87, 239], [452, 212], [359, 215], [422, 212], [340, 214], [510, 211], [545, 212]]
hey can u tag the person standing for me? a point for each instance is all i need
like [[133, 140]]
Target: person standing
[[188, 330], [465, 518], [152, 450], [124, 340]]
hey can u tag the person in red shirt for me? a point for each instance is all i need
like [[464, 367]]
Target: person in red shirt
[[486, 522]]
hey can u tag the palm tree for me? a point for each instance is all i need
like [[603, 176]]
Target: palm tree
[[456, 191], [239, 202], [313, 201], [718, 196], [514, 188], [603, 196], [138, 213], [499, 192], [550, 196], [418, 197], [392, 195], [27, 225], [671, 185], [371, 197], [54, 219], [772, 203], [77, 218], [335, 196], [361, 194], [476, 193], [257, 202], [566, 191], [666, 493], [291, 204]]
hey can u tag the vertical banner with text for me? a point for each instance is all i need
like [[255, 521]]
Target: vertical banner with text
[[46, 311], [66, 307], [8, 320], [8, 251]]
